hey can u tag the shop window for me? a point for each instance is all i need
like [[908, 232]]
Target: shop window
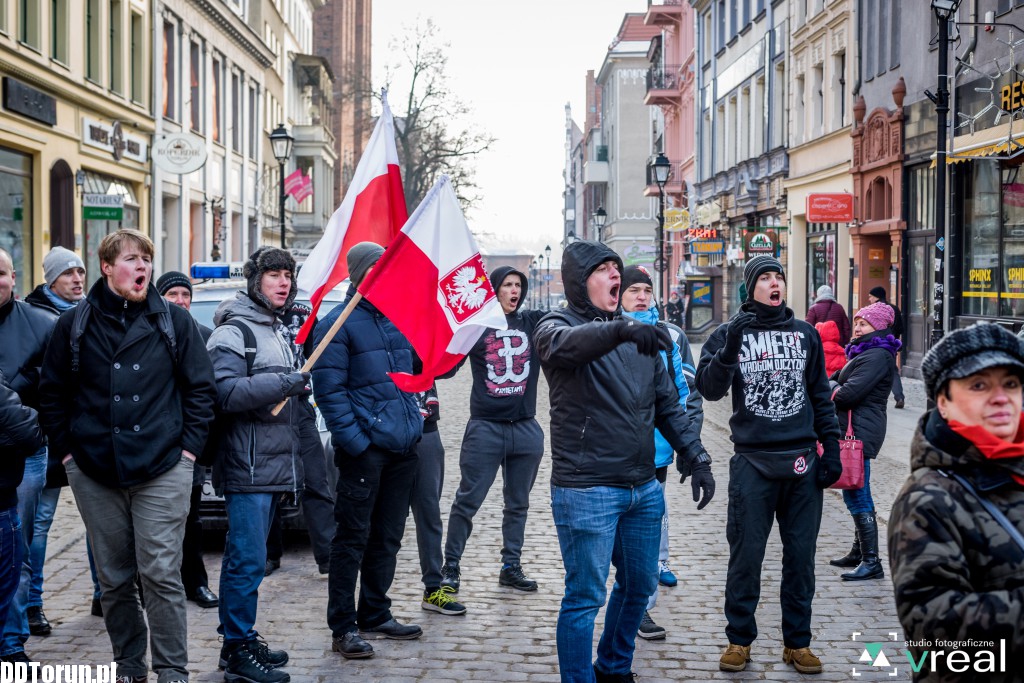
[[922, 198], [1011, 296], [95, 230], [981, 246], [821, 258], [16, 214]]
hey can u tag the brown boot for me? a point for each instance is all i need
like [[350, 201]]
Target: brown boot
[[802, 659], [734, 658]]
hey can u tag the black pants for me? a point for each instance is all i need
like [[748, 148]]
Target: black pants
[[426, 507], [193, 571], [374, 493], [317, 497], [753, 503]]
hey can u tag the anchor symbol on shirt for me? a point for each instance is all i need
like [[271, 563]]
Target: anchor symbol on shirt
[[508, 352]]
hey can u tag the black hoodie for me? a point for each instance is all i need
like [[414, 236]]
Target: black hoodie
[[606, 398]]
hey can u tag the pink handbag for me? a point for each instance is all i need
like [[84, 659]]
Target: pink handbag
[[851, 454]]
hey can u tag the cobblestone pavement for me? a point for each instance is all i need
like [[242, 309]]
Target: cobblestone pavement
[[508, 636]]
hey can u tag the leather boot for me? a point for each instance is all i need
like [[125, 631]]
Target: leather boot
[[867, 536], [850, 559]]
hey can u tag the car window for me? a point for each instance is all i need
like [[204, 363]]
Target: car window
[[203, 311]]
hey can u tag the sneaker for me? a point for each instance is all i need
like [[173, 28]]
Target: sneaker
[[734, 658], [351, 646], [602, 677], [665, 576], [450, 576], [649, 630], [271, 566], [392, 629], [38, 624], [514, 577], [244, 667], [802, 659], [272, 659], [440, 600], [131, 679]]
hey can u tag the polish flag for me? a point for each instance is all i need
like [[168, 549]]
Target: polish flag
[[373, 211], [431, 284]]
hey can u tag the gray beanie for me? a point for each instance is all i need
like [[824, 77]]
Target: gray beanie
[[263, 260], [825, 294], [59, 260], [756, 267], [361, 258], [962, 353]]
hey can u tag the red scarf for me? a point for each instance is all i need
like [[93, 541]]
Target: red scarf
[[991, 446]]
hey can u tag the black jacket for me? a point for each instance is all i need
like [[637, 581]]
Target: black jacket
[[127, 415], [24, 330], [20, 437], [864, 385], [606, 399]]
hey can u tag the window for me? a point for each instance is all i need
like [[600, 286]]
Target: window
[[720, 11], [799, 117], [839, 91], [757, 118], [778, 122], [1002, 6], [236, 113], [195, 92], [252, 124], [758, 7], [883, 29], [745, 9], [733, 18], [869, 31], [28, 22], [3, 16], [170, 94], [894, 35], [58, 30], [818, 98], [16, 208], [92, 40], [707, 36], [719, 125], [218, 101], [138, 66], [116, 48], [981, 248]]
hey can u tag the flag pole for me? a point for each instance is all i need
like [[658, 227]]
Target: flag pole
[[322, 346]]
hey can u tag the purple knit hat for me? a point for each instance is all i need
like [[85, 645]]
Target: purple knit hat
[[879, 315]]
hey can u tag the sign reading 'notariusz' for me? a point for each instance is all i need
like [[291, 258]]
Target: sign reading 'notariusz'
[[102, 207]]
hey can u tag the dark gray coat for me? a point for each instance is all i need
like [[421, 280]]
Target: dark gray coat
[[864, 384]]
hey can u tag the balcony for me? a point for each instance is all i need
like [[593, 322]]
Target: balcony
[[663, 85], [596, 172], [663, 13]]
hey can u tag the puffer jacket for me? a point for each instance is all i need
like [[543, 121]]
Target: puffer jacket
[[359, 402], [830, 309], [606, 398], [835, 355], [261, 452], [26, 330], [20, 437], [863, 387], [956, 573]]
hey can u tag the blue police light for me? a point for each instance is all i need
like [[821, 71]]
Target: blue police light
[[209, 271]]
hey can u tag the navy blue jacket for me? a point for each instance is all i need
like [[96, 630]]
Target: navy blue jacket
[[360, 404]]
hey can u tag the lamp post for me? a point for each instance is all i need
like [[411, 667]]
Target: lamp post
[[600, 216], [944, 11], [547, 277], [281, 142], [662, 170]]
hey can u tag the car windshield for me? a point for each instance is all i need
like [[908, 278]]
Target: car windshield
[[206, 299]]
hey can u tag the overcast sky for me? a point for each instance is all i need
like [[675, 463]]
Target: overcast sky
[[517, 64]]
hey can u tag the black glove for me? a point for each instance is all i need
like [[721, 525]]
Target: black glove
[[295, 383], [830, 465], [649, 339], [683, 467], [734, 335], [704, 481]]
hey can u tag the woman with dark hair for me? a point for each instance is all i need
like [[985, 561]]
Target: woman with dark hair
[[862, 389]]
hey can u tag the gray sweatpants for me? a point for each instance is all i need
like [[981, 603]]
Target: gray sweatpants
[[426, 506]]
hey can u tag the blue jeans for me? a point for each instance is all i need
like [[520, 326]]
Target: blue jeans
[[598, 526], [245, 558], [16, 626], [859, 500], [12, 555], [37, 551]]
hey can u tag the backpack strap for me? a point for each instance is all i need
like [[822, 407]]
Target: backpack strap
[[82, 311], [996, 513], [248, 342]]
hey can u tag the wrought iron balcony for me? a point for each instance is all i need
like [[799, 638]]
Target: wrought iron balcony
[[663, 84]]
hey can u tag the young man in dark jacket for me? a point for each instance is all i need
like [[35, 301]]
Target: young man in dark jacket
[[774, 365], [608, 389], [374, 427], [502, 433], [130, 418]]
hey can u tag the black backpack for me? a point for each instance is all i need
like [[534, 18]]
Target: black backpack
[[218, 428]]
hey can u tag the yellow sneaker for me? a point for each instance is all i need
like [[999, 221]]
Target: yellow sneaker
[[802, 659], [734, 658]]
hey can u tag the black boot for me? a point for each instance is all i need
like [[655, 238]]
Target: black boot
[[867, 535], [850, 559]]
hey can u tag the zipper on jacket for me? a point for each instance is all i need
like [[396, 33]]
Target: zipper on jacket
[[252, 453]]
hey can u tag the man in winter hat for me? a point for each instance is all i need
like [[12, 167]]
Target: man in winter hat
[[774, 366], [270, 260]]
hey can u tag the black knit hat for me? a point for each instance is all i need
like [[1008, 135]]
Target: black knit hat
[[964, 352], [878, 293], [634, 274], [264, 260], [171, 279], [756, 267]]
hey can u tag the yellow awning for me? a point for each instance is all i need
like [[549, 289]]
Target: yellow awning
[[995, 141]]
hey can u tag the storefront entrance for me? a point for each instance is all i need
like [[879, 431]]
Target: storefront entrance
[[917, 309]]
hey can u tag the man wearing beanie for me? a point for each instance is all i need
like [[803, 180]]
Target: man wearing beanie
[[774, 365], [374, 428], [259, 457], [877, 294]]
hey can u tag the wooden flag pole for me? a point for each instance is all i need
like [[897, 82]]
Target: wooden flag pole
[[322, 346]]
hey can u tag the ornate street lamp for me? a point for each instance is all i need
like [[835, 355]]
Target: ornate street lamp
[[547, 276], [281, 142], [600, 216], [661, 169]]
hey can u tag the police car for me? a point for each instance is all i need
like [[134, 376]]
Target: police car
[[219, 281]]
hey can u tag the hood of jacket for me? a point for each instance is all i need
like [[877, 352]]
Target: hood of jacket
[[936, 445], [828, 331], [498, 276], [579, 260], [649, 317], [245, 308]]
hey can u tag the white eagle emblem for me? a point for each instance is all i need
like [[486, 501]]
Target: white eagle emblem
[[467, 290]]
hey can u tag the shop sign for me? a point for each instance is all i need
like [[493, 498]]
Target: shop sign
[[111, 137], [28, 101], [102, 207], [180, 153], [701, 294], [708, 247], [979, 283], [1014, 283], [637, 255], [676, 220], [702, 233], [757, 242], [829, 207], [709, 213]]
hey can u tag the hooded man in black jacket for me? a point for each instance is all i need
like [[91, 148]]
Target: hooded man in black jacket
[[774, 365], [608, 389]]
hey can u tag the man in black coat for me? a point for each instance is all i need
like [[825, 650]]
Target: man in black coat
[[129, 412], [874, 296]]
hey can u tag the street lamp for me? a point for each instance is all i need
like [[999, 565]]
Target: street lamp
[[547, 277], [944, 11], [281, 142], [600, 216], [662, 170]]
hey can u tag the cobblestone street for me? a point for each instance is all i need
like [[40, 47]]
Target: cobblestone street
[[508, 636]]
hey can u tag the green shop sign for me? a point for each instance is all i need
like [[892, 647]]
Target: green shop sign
[[103, 207]]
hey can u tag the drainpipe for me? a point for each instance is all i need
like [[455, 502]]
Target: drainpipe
[[156, 210], [856, 83], [969, 52]]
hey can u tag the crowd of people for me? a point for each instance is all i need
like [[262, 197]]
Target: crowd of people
[[118, 393]]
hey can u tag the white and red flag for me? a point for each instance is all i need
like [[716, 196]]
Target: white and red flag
[[305, 190], [431, 284], [373, 211], [293, 181]]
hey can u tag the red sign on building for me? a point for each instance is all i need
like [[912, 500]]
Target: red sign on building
[[829, 207]]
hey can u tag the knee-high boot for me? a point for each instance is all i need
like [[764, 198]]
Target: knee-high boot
[[867, 535], [852, 558]]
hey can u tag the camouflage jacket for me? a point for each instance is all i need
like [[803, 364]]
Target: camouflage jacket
[[957, 574]]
